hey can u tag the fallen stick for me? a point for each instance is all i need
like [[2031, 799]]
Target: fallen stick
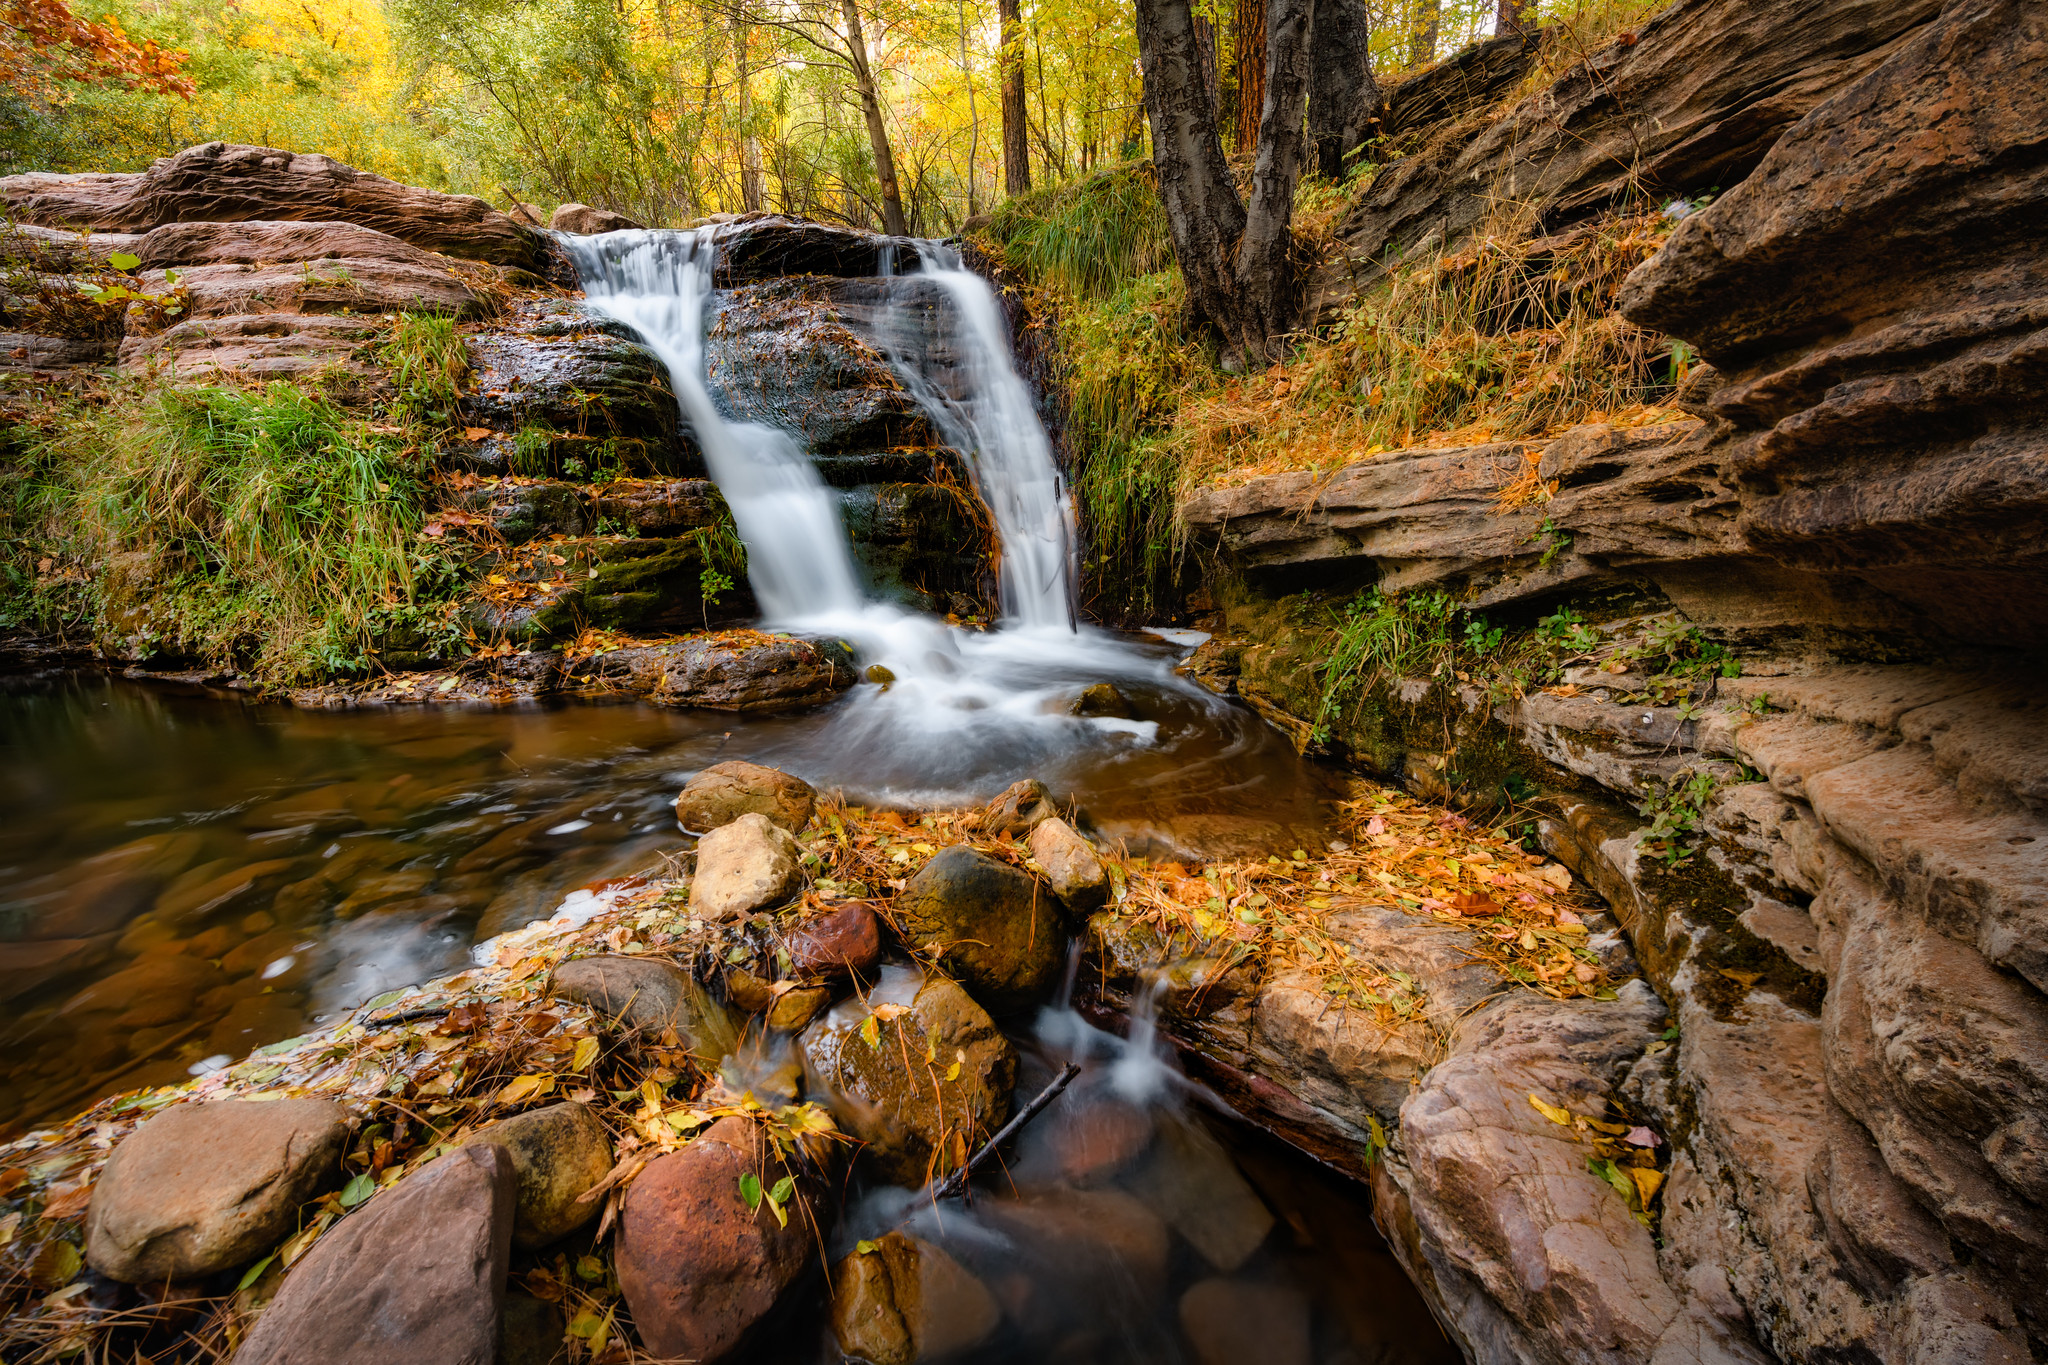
[[957, 1181]]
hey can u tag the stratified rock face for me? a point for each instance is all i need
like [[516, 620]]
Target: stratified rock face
[[767, 247], [1877, 296], [999, 929], [725, 791], [699, 1268], [417, 1274], [259, 346], [224, 183], [266, 243], [203, 1188]]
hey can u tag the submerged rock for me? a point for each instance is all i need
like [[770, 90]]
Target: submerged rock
[[998, 928], [1071, 864], [1231, 1321], [725, 791], [747, 865], [917, 1071], [203, 1188], [699, 1269], [417, 1274], [558, 1153], [905, 1300], [650, 995]]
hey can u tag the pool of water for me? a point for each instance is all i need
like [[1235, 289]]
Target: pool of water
[[185, 876]]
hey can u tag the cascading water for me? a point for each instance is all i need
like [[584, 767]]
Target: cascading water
[[963, 713]]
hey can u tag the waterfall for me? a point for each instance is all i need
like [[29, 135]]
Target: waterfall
[[984, 409], [658, 283]]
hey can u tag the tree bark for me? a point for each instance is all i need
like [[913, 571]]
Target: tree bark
[[1016, 118], [1425, 24], [1343, 97], [893, 221], [1235, 260], [751, 198], [1511, 17], [973, 115], [1250, 57]]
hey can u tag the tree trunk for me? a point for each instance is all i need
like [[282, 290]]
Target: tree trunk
[[1250, 58], [1016, 119], [1424, 26], [1343, 97], [973, 116], [751, 198], [1235, 262], [893, 221], [1511, 17], [1212, 76]]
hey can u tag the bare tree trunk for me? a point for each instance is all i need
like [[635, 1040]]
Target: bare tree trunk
[[973, 117], [1511, 17], [1343, 97], [1016, 119], [1235, 262], [893, 221], [1212, 76], [1424, 25], [1251, 72], [751, 196]]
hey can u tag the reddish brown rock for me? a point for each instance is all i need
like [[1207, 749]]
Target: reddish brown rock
[[661, 507], [583, 219], [351, 284], [844, 941], [905, 1300], [261, 243], [224, 182], [698, 1268], [725, 791], [1021, 806], [202, 1188], [418, 1274]]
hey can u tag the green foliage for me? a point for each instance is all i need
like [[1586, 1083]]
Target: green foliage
[[1674, 812], [1567, 630], [1676, 648], [267, 530], [1382, 636], [533, 450], [1088, 239], [428, 366]]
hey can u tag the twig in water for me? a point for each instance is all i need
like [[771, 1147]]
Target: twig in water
[[957, 1181]]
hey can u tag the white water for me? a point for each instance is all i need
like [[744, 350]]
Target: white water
[[966, 712]]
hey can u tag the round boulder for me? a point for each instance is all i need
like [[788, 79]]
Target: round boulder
[[1021, 806], [202, 1188], [903, 1300], [725, 791], [747, 865], [996, 928], [653, 996], [1071, 864], [558, 1153], [844, 941]]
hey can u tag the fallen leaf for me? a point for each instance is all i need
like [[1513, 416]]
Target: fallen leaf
[[1648, 1182], [475, 433], [1741, 978], [1641, 1137], [1552, 1112], [66, 1201]]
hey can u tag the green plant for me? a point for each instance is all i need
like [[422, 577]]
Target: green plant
[[1566, 628], [1556, 540], [429, 366], [712, 585], [1674, 811], [1090, 237], [533, 450]]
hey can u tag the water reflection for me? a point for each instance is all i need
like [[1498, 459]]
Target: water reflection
[[184, 877]]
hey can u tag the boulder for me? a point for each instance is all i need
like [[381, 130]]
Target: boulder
[[224, 182], [1071, 864], [1098, 1247], [1193, 1184], [917, 1118], [795, 1008], [725, 791], [653, 996], [905, 1300], [699, 1269], [526, 509], [748, 672], [558, 1153], [553, 365], [845, 941], [333, 284], [260, 243], [1019, 809], [417, 1274], [1103, 699], [203, 1188], [745, 866], [585, 220], [997, 928]]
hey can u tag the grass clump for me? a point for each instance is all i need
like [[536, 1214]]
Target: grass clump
[[1091, 237], [265, 530], [428, 366]]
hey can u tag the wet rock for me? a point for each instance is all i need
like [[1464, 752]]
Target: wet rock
[[223, 182], [844, 941], [161, 983], [747, 991], [650, 995], [741, 671], [746, 865], [1230, 1321], [557, 369], [267, 243], [770, 247], [1071, 864], [1093, 1140], [530, 1331], [1101, 1246], [725, 791], [917, 1118], [585, 220], [660, 507], [1192, 1182], [996, 927], [795, 1008], [557, 1154], [202, 1188], [905, 1301], [417, 1274], [698, 1268], [526, 509], [918, 543], [1019, 809], [607, 582], [1103, 699]]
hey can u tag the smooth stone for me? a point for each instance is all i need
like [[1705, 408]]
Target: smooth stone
[[586, 221], [1196, 1187], [653, 996], [725, 791], [1230, 1321], [844, 941], [1103, 699], [417, 1274], [698, 1268], [1100, 1245], [995, 927], [1020, 807], [911, 1116], [203, 1188], [1071, 864], [907, 1301], [558, 1153], [747, 865], [795, 1008]]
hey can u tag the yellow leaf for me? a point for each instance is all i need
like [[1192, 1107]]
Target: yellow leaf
[[586, 1053], [1648, 1182], [953, 1072], [522, 1088], [1741, 978], [1551, 1111]]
